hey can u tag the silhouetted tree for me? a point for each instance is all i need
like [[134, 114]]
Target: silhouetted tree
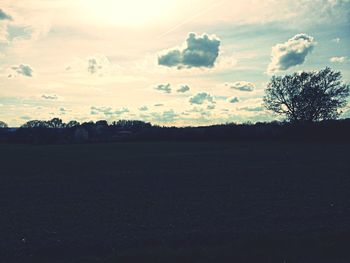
[[34, 124], [3, 125], [55, 123], [129, 130], [72, 124], [307, 96], [131, 124], [102, 123]]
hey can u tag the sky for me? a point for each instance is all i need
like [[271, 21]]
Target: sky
[[168, 62]]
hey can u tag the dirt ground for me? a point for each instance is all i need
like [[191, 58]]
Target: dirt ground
[[175, 202]]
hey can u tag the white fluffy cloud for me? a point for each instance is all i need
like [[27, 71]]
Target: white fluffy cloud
[[291, 53], [201, 98], [199, 51]]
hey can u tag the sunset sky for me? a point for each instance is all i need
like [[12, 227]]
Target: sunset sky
[[169, 62]]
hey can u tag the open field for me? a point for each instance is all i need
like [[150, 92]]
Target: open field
[[175, 202]]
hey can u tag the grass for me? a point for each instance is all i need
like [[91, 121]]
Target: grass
[[175, 202]]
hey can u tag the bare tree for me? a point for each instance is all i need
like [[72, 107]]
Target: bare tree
[[307, 96]]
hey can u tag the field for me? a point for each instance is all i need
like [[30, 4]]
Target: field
[[175, 202]]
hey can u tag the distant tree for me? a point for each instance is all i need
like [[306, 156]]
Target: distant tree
[[72, 124], [55, 123], [101, 129], [102, 123], [131, 124], [88, 125], [307, 96], [3, 125], [35, 124]]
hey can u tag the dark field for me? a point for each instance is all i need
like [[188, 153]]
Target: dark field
[[175, 202]]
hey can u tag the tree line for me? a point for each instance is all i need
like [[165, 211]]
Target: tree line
[[310, 103]]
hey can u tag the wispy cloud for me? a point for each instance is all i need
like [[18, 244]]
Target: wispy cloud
[[166, 88], [49, 97], [241, 86], [22, 69], [338, 59]]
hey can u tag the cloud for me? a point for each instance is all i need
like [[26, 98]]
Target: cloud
[[200, 111], [95, 65], [4, 16], [18, 32], [121, 111], [24, 70], [143, 108], [338, 59], [241, 86], [233, 100], [107, 111], [211, 107], [252, 109], [163, 88], [49, 97], [201, 98], [166, 116], [26, 118], [199, 51], [183, 89], [291, 53], [220, 97], [62, 111], [3, 34], [172, 58], [98, 64]]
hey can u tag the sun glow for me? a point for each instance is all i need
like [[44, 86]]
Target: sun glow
[[127, 12]]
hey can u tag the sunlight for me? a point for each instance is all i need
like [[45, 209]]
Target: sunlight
[[127, 12]]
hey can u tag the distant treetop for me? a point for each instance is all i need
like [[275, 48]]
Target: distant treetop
[[3, 125]]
